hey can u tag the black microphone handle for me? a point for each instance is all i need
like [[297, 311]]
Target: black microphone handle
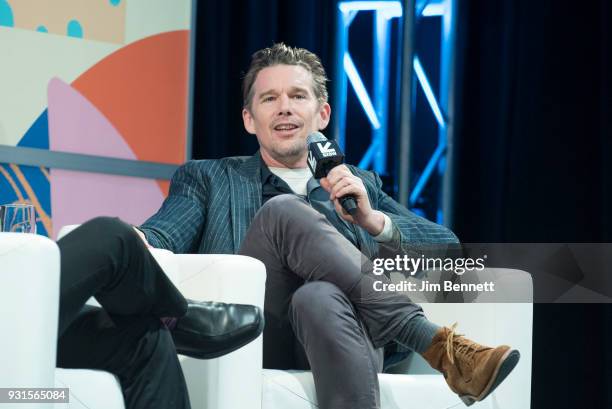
[[349, 204]]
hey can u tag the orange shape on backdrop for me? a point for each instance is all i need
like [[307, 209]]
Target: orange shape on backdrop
[[164, 185], [142, 89]]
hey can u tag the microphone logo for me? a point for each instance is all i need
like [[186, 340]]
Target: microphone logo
[[312, 161], [323, 155], [326, 151]]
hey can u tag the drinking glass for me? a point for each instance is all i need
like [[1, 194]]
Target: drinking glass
[[18, 218]]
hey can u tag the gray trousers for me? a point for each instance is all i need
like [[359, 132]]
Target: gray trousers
[[319, 291]]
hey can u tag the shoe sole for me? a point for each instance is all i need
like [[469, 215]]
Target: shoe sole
[[221, 352], [503, 369]]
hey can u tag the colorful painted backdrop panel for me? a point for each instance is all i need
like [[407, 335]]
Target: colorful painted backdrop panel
[[97, 77]]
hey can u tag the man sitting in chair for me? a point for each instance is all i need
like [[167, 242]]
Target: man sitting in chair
[[319, 288]]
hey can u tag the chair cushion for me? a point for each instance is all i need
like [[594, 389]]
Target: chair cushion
[[295, 390], [89, 389]]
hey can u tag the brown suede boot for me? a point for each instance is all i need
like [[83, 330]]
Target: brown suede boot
[[471, 370]]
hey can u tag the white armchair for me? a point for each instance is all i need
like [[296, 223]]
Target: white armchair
[[29, 282], [29, 306]]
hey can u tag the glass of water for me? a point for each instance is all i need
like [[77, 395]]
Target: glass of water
[[18, 218]]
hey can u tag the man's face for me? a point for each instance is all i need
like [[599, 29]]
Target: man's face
[[284, 111]]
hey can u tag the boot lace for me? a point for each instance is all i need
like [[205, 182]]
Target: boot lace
[[457, 345]]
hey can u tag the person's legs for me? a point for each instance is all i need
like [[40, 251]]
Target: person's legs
[[105, 258], [294, 240], [291, 238], [343, 360], [139, 351], [278, 337]]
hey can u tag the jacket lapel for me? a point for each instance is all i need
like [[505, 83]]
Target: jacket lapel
[[245, 196]]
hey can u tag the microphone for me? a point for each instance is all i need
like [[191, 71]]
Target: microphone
[[323, 156]]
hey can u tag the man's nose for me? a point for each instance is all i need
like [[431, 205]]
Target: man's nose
[[284, 105]]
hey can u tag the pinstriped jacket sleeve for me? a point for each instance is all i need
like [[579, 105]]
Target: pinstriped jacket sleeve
[[408, 228], [177, 225]]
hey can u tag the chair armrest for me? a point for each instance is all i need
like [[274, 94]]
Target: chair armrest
[[221, 277], [66, 229], [234, 380], [29, 307]]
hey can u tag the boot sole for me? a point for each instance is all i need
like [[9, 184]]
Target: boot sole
[[503, 369]]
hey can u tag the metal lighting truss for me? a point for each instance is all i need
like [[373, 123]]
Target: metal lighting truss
[[377, 108]]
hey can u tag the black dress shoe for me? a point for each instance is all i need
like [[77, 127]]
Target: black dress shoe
[[211, 329]]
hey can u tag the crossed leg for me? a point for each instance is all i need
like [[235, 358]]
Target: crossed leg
[[105, 258]]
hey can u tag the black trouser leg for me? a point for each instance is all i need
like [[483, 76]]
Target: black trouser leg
[[139, 351], [343, 360], [105, 258]]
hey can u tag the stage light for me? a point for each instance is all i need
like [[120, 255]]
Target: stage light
[[429, 94], [390, 8], [434, 10]]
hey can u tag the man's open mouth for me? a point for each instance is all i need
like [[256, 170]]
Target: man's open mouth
[[285, 127]]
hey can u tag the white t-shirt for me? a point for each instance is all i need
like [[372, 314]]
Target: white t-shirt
[[297, 179]]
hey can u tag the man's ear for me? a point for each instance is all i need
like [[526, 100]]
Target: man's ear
[[248, 121], [324, 115]]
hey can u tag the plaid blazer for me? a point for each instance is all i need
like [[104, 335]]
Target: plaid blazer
[[212, 203]]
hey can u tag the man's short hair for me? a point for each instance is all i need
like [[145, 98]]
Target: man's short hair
[[279, 54]]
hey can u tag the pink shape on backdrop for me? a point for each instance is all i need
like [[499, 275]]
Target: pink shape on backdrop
[[77, 126], [78, 196]]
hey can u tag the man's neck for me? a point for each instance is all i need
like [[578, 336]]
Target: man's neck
[[289, 163]]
